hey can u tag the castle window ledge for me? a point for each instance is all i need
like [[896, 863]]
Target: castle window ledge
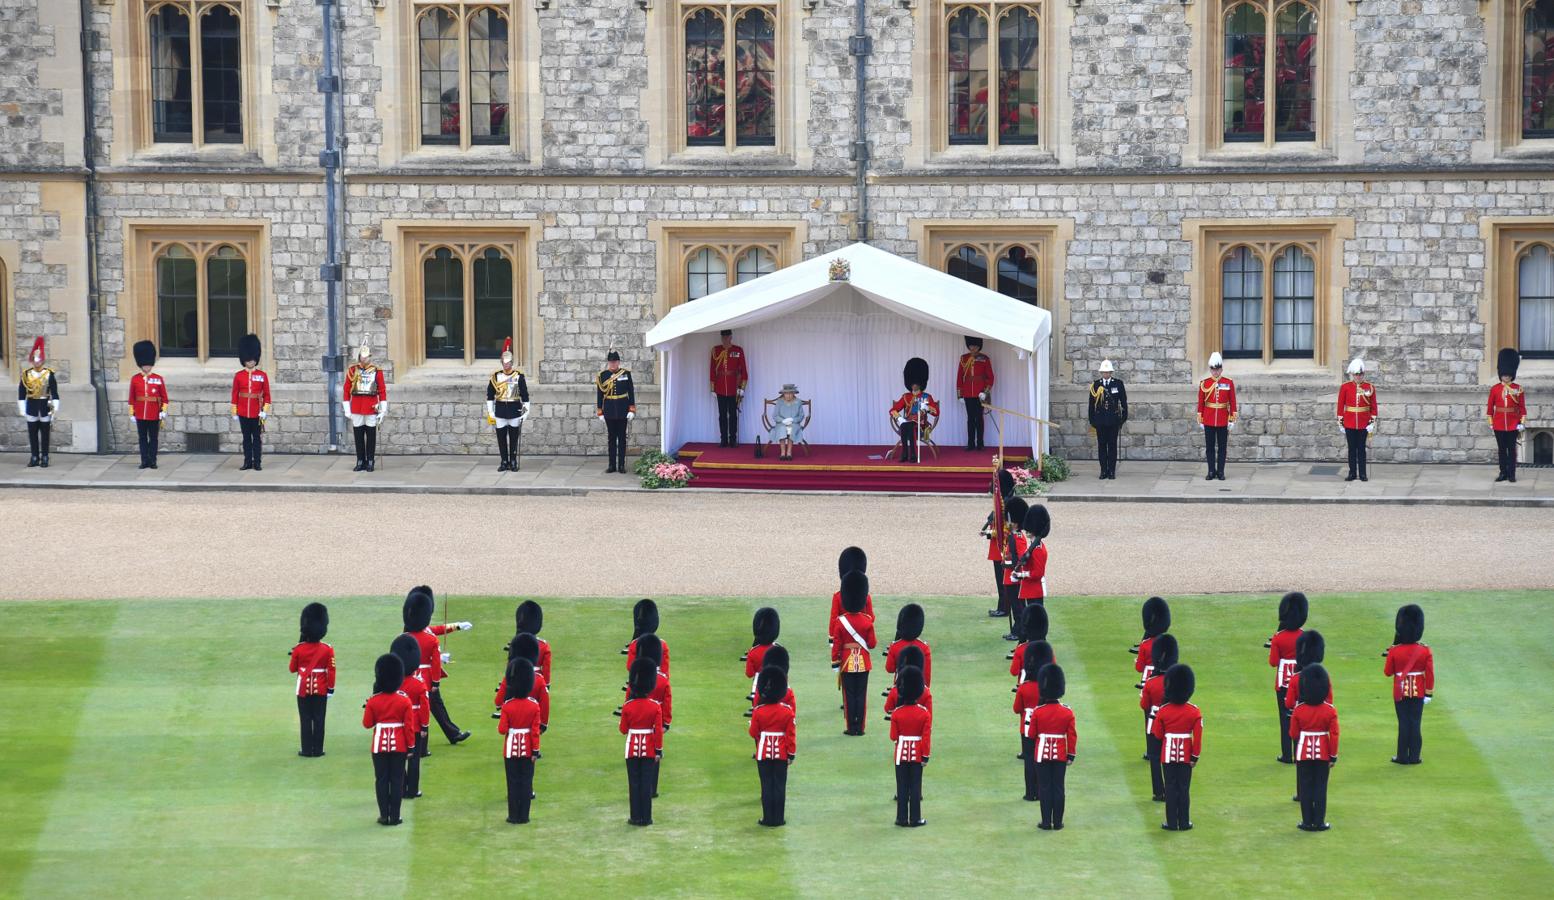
[[1529, 148], [740, 158], [225, 155], [1258, 155], [478, 158], [1003, 157]]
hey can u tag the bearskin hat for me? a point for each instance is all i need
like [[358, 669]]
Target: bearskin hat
[[1033, 625], [1157, 617], [910, 655], [1410, 624], [644, 618], [643, 677], [766, 625], [388, 674], [909, 623], [650, 647], [315, 622], [1508, 362], [855, 591], [1037, 654], [248, 348], [915, 373], [909, 685], [1051, 682], [1164, 653], [520, 678], [419, 606], [1314, 684], [776, 657], [771, 685], [1015, 509], [1003, 483], [145, 353], [1037, 521], [1179, 683], [852, 559], [529, 617], [408, 651], [1292, 611], [1310, 648], [524, 646], [971, 340]]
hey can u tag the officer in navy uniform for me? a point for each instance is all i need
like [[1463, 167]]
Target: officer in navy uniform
[[615, 402], [1108, 412]]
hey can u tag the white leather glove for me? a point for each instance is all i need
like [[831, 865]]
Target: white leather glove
[[382, 409], [788, 421], [446, 657], [463, 626], [1371, 428], [1202, 427], [21, 407], [900, 420], [1341, 427], [740, 392], [1231, 426], [162, 415], [234, 417], [631, 415], [599, 416], [524, 414], [263, 414], [1427, 699], [345, 408], [982, 396], [491, 409], [1520, 426], [54, 408]]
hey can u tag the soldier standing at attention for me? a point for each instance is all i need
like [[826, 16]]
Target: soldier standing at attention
[[1412, 669], [1314, 726], [251, 401], [1357, 416], [1179, 729], [148, 402], [1216, 414], [772, 724], [1507, 412], [974, 384], [366, 403], [313, 662], [642, 722], [852, 636], [615, 404], [1108, 412], [1281, 656], [1056, 743], [728, 376], [390, 717], [37, 401], [911, 730], [507, 405]]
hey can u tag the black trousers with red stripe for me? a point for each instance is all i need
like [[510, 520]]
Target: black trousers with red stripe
[[774, 790], [639, 784], [909, 793], [1049, 777], [389, 772], [1178, 794], [520, 788], [310, 710], [855, 699], [1311, 783]]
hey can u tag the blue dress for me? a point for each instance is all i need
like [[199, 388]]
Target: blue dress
[[787, 409]]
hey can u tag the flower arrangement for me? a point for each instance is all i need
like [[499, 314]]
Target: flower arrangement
[[1053, 468], [649, 459], [667, 475], [1026, 482]]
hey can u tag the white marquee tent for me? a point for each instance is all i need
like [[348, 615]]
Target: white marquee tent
[[844, 344]]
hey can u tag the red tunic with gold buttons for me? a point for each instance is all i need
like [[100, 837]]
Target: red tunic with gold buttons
[[365, 388], [1356, 404], [1052, 728], [414, 688], [642, 722], [390, 718], [775, 729], [974, 375], [1412, 668], [1179, 728], [1314, 729], [314, 665], [431, 653], [519, 723], [1507, 406], [250, 392], [848, 652], [728, 373], [147, 396], [911, 730], [1216, 402], [1281, 655]]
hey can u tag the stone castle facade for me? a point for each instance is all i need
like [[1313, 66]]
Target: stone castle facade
[[1396, 199]]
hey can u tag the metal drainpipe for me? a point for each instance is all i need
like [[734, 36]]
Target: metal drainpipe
[[331, 159], [861, 45], [99, 370]]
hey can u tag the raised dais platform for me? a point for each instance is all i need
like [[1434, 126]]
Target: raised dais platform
[[834, 467]]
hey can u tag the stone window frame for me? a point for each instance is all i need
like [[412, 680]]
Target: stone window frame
[[1507, 238], [933, 37], [410, 241], [10, 357], [519, 25], [676, 242], [663, 98], [139, 61], [1048, 240], [729, 12], [1333, 17], [1505, 25], [145, 240], [1213, 240], [466, 249]]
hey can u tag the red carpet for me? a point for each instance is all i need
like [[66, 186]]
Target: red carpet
[[841, 468]]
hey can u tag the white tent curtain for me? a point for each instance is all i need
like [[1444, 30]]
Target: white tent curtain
[[845, 352], [1535, 290]]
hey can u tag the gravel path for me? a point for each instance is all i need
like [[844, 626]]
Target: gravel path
[[106, 544]]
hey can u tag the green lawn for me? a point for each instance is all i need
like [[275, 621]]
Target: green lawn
[[149, 749]]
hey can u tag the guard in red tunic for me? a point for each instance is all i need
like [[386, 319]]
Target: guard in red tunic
[[728, 376], [391, 719], [148, 403], [650, 648], [251, 401], [1217, 410], [1027, 696], [915, 412], [765, 626], [366, 403], [642, 722], [996, 530], [852, 637], [776, 657], [911, 655], [1151, 698], [37, 401], [644, 620], [974, 386], [1314, 727], [1412, 669], [417, 612], [409, 652], [1507, 412], [851, 559], [313, 662], [1013, 548], [525, 647], [909, 633], [1030, 563], [1156, 614], [911, 731], [1179, 729], [1032, 628], [1357, 416], [530, 618], [1310, 648], [520, 723], [773, 725], [1281, 656], [1056, 744]]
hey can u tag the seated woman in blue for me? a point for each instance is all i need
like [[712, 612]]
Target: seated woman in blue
[[788, 421]]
